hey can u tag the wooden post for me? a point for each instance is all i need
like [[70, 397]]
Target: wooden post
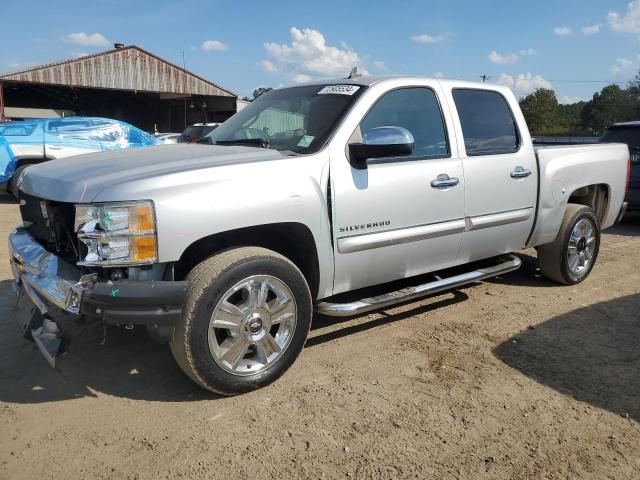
[[1, 102]]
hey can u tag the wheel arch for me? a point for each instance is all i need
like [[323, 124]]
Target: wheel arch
[[551, 212], [597, 196], [292, 240]]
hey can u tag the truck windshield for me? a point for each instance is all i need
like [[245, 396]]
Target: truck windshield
[[296, 119]]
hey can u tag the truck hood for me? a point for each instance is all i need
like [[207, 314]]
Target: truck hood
[[81, 178]]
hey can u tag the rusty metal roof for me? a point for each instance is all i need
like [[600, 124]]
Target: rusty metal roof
[[128, 68]]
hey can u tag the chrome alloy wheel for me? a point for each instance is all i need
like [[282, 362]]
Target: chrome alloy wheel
[[582, 244], [252, 325]]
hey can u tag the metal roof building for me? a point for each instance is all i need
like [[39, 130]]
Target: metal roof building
[[126, 83]]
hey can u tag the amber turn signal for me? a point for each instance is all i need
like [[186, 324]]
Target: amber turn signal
[[143, 249], [142, 219]]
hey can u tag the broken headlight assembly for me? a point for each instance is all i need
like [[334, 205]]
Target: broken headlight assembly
[[117, 234]]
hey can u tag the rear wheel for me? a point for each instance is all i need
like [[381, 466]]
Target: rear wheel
[[570, 258], [245, 320]]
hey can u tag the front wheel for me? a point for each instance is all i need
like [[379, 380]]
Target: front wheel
[[245, 320], [571, 256]]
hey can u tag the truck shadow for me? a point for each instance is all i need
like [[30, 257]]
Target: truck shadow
[[352, 325], [591, 354], [129, 364], [628, 227], [528, 275], [6, 197]]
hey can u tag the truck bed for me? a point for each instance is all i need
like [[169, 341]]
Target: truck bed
[[566, 169]]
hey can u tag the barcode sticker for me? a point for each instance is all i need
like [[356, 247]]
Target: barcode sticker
[[339, 90]]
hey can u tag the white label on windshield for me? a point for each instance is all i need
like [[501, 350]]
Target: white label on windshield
[[306, 141], [339, 90]]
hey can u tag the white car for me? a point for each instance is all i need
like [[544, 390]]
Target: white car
[[166, 138]]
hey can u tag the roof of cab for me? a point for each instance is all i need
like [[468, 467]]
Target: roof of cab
[[371, 80]]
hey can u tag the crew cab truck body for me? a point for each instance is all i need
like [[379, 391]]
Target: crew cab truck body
[[225, 250]]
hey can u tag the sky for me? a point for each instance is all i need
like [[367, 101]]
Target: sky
[[575, 47]]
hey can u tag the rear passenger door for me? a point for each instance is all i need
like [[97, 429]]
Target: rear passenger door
[[500, 172]]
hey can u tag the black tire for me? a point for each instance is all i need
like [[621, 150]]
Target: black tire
[[207, 284], [554, 257]]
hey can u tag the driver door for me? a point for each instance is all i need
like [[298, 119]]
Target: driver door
[[391, 217]]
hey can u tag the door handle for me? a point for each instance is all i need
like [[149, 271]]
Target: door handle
[[444, 181], [54, 147], [520, 172]]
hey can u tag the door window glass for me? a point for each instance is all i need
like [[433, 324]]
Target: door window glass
[[488, 125], [417, 110]]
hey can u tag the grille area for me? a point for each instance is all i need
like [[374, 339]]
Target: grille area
[[51, 224]]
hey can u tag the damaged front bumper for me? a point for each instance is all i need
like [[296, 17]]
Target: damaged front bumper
[[47, 286], [45, 278]]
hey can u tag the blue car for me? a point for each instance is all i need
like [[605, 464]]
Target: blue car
[[30, 142]]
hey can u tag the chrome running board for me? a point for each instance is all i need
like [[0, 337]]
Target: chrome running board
[[507, 264]]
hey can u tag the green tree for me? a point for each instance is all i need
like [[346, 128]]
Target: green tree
[[571, 119], [260, 91], [542, 112], [634, 85], [634, 92], [613, 104]]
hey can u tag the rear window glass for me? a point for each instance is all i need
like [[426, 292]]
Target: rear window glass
[[198, 131], [17, 130], [629, 135], [61, 126], [193, 132], [488, 125]]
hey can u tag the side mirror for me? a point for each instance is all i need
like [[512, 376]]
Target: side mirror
[[382, 142]]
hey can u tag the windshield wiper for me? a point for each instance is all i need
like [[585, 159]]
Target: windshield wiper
[[257, 142]]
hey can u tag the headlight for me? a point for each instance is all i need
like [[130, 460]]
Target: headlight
[[117, 234]]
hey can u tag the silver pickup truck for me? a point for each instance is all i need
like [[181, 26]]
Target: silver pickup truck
[[296, 204]]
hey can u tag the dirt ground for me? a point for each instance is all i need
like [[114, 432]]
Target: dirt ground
[[512, 378]]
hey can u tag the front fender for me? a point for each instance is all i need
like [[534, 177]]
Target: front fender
[[193, 205]]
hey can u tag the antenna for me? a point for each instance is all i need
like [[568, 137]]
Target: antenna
[[485, 77], [354, 74]]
